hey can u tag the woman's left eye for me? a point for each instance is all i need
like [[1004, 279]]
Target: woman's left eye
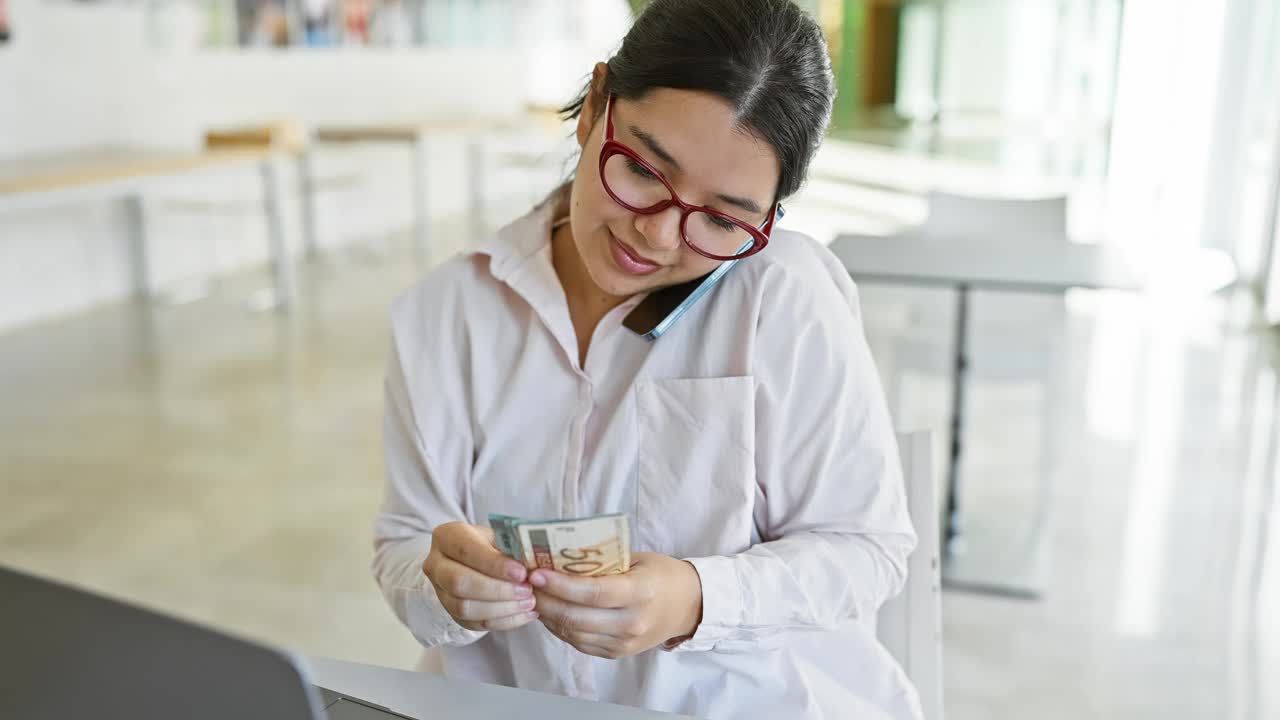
[[640, 170], [722, 223]]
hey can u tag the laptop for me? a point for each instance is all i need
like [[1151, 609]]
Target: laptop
[[66, 654]]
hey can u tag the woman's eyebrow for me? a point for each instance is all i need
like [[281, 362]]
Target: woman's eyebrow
[[745, 203], [656, 148], [652, 143]]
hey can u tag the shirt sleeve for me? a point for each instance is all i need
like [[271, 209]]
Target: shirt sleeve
[[420, 493], [834, 526]]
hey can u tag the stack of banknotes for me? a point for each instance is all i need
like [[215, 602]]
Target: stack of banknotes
[[597, 545]]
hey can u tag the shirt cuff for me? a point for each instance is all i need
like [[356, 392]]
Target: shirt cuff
[[721, 605], [441, 628]]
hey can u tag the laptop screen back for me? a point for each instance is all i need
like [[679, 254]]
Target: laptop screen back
[[67, 654]]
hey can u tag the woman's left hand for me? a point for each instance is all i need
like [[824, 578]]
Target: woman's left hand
[[615, 616]]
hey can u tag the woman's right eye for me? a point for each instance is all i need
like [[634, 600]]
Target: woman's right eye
[[639, 170]]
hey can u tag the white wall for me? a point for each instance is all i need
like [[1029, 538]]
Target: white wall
[[1196, 144], [976, 66], [566, 38], [83, 75], [1164, 113], [86, 76], [999, 57], [1240, 150]]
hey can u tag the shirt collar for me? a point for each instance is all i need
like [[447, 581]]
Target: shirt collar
[[517, 243], [525, 244]]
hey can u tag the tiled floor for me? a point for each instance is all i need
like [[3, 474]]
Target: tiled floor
[[1160, 561], [224, 465]]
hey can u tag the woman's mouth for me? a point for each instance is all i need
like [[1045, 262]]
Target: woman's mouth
[[628, 260]]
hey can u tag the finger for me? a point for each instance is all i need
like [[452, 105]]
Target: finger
[[567, 618], [511, 622], [476, 551], [479, 615], [479, 610], [460, 581], [589, 643], [487, 533], [606, 591], [582, 639]]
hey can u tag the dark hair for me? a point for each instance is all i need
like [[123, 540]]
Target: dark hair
[[768, 58]]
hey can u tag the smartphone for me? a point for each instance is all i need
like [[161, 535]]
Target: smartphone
[[698, 289]]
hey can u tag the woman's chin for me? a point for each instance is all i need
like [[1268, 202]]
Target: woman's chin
[[618, 284]]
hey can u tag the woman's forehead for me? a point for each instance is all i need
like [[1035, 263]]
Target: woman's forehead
[[700, 132]]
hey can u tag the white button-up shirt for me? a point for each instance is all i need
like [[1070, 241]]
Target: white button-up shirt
[[752, 439]]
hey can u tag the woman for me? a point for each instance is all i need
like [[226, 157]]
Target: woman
[[581, 362]]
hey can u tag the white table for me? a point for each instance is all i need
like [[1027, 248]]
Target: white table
[[428, 696], [126, 173], [1020, 265], [413, 135]]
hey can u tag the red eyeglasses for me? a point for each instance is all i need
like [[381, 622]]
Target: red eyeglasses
[[638, 186]]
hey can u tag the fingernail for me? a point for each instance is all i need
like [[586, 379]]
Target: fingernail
[[532, 615], [538, 579], [515, 572], [523, 591], [527, 604]]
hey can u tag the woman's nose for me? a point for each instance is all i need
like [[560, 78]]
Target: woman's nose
[[661, 230]]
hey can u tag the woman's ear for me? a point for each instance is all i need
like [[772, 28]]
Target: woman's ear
[[593, 104]]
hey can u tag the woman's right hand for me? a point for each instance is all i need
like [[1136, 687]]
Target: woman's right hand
[[479, 586]]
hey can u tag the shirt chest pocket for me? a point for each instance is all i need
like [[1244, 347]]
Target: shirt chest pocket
[[696, 484]]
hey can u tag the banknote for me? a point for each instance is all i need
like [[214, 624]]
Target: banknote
[[597, 545], [505, 534]]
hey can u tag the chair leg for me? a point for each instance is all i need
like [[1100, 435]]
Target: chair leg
[[139, 252]]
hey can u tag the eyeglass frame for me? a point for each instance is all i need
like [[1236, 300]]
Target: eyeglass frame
[[611, 147]]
